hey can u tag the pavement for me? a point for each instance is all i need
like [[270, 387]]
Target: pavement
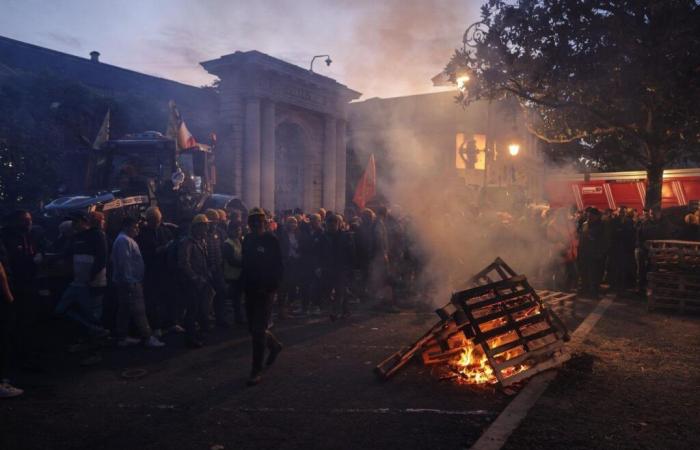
[[321, 393]]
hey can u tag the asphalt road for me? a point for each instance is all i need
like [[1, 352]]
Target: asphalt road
[[320, 394]]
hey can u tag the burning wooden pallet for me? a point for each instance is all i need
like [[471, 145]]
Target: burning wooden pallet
[[673, 290], [498, 330], [515, 330]]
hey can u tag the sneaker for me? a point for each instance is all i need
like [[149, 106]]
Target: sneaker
[[9, 391], [128, 341], [154, 342]]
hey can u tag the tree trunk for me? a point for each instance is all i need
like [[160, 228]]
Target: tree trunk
[[655, 175]]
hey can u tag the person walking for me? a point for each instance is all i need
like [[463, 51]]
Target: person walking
[[127, 276], [262, 275]]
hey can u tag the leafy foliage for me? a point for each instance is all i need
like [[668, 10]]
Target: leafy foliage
[[47, 123], [616, 82]]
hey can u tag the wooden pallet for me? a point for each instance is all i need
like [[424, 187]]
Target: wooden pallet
[[444, 340], [513, 328], [674, 256], [673, 290], [452, 322]]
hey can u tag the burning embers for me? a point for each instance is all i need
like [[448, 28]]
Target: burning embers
[[495, 332]]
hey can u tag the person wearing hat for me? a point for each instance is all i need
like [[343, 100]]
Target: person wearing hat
[[337, 254], [153, 241], [290, 240], [233, 259], [194, 267], [127, 276], [262, 274], [215, 240], [82, 300]]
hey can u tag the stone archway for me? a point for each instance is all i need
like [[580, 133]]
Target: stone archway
[[289, 166], [256, 92]]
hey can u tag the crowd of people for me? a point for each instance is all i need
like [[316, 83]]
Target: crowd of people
[[227, 269], [591, 248], [221, 269]]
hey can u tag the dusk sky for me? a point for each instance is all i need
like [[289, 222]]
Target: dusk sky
[[382, 48]]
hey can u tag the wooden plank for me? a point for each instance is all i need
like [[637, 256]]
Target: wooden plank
[[549, 348]]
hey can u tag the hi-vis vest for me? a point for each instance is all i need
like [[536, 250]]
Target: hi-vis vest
[[232, 272]]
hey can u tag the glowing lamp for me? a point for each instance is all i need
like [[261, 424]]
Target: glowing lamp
[[514, 149], [462, 81]]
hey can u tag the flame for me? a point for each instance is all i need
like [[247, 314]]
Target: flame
[[473, 364]]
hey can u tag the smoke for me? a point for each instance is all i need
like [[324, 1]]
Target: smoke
[[455, 232]]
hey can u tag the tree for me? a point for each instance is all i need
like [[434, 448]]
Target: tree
[[47, 123], [620, 79]]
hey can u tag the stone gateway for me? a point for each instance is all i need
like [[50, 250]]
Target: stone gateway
[[282, 133]]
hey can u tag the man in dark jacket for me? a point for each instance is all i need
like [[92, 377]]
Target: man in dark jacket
[[593, 247], [336, 262], [153, 241], [82, 301], [194, 269], [215, 241], [23, 254], [262, 275]]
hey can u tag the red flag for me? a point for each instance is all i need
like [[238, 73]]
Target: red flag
[[184, 137], [367, 185]]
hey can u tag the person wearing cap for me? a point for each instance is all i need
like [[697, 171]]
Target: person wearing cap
[[153, 241], [336, 261], [193, 264], [215, 240], [127, 276], [262, 275], [233, 261], [82, 300]]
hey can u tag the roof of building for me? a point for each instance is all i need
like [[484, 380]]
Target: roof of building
[[27, 57]]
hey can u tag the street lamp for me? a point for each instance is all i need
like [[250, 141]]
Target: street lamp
[[514, 149]]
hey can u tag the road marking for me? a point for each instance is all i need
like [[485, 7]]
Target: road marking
[[500, 430], [476, 412]]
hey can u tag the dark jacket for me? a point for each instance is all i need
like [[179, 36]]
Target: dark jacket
[[21, 247], [149, 241], [337, 253], [262, 262], [215, 242], [192, 262], [89, 254]]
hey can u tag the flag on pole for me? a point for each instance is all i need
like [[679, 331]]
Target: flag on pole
[[367, 185], [103, 134], [177, 130]]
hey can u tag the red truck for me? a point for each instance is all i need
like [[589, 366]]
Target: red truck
[[681, 187]]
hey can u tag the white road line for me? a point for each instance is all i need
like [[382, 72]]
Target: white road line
[[476, 412], [500, 430]]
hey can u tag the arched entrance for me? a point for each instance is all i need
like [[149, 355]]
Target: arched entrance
[[289, 166]]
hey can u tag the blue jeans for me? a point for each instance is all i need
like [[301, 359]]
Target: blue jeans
[[83, 307]]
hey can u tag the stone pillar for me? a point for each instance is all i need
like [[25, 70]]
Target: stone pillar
[[267, 157], [329, 169], [251, 153], [340, 166]]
